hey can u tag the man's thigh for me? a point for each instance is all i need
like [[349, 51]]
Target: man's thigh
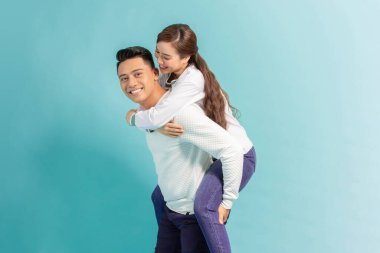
[[192, 239], [168, 237]]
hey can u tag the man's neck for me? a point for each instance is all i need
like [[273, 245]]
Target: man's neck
[[154, 97]]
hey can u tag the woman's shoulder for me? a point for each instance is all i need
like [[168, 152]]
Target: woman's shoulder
[[192, 73]]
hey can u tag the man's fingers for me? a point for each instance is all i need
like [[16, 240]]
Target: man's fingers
[[173, 125], [171, 132], [177, 130], [223, 215], [174, 130], [221, 218]]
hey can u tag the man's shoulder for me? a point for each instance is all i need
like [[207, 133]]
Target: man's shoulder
[[193, 117], [192, 108], [190, 113]]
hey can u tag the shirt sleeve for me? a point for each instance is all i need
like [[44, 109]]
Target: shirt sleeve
[[213, 139], [184, 92]]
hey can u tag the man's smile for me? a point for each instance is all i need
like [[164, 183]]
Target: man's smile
[[135, 92]]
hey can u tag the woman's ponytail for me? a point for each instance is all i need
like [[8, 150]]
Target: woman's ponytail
[[185, 41]]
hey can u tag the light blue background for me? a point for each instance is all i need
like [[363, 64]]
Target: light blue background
[[304, 74]]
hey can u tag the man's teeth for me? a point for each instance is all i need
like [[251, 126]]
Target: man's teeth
[[135, 91]]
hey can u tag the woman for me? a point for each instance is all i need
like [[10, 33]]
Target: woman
[[187, 74]]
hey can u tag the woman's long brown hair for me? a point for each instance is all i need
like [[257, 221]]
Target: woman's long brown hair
[[184, 41]]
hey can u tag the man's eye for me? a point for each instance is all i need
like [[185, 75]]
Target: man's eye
[[138, 74], [124, 79], [166, 58]]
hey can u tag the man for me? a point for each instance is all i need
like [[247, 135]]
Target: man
[[180, 162]]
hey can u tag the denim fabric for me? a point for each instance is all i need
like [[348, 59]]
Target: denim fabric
[[179, 233]]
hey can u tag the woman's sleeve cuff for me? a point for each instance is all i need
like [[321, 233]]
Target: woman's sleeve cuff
[[133, 120]]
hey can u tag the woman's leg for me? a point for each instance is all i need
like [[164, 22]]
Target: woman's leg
[[208, 199], [249, 167]]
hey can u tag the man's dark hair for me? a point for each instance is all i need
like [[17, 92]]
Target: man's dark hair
[[133, 52]]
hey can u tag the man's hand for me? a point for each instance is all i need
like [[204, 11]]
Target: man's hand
[[171, 129], [129, 115], [223, 214]]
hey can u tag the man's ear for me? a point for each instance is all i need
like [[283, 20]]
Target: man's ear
[[156, 73]]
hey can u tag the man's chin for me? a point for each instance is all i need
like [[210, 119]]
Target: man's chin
[[137, 100]]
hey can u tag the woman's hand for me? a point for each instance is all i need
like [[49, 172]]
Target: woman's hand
[[129, 115], [223, 214], [171, 129]]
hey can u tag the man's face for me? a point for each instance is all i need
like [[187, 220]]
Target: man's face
[[137, 79]]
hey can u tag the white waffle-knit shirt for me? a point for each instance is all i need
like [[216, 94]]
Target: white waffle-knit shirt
[[182, 162], [186, 90]]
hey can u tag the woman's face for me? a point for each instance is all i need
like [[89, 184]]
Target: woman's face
[[168, 59]]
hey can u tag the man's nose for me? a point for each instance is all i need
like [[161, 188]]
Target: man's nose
[[132, 82]]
